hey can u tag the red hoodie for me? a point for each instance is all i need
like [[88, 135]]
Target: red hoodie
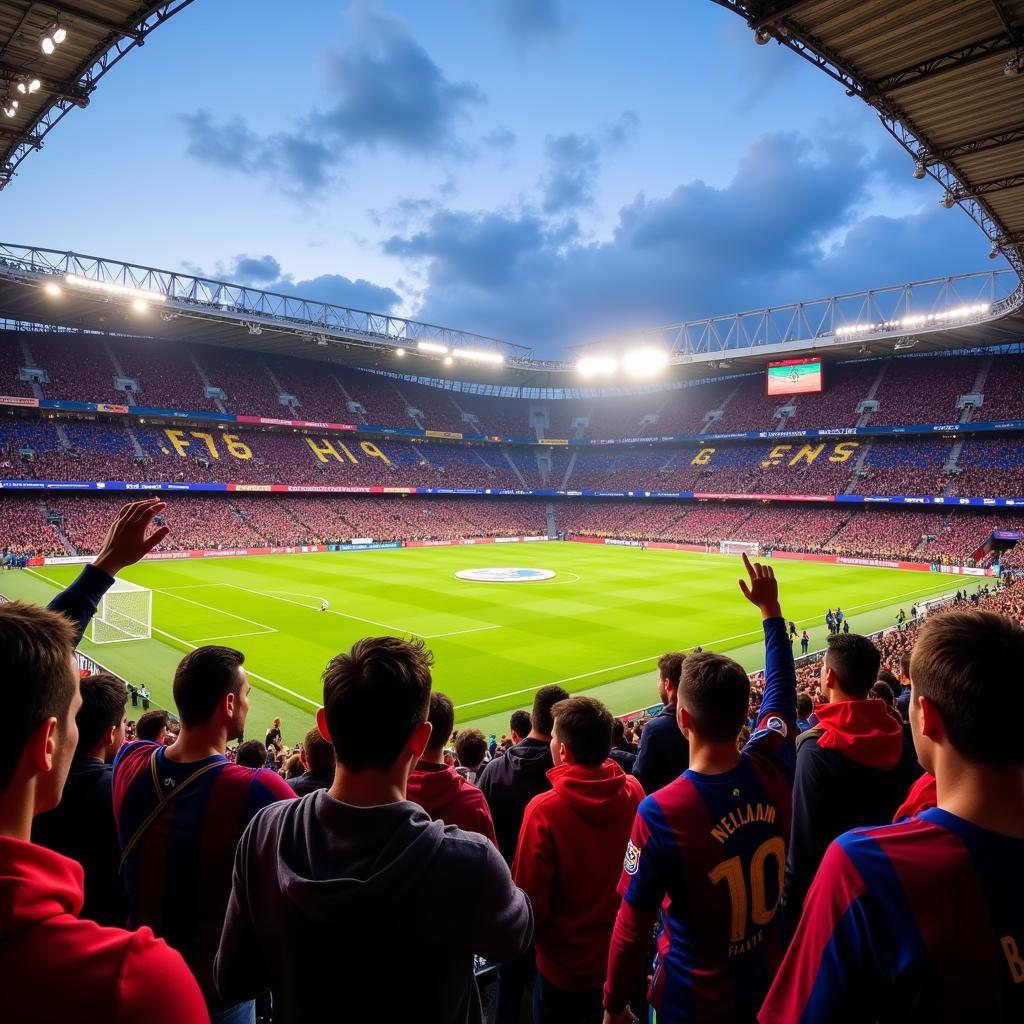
[[862, 730], [55, 966], [922, 795], [446, 796], [569, 861]]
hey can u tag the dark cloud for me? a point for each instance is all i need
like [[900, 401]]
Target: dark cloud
[[530, 23], [385, 91], [265, 273], [574, 161], [501, 138], [786, 228]]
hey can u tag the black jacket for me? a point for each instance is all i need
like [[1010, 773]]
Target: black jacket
[[859, 777], [625, 759], [308, 782], [664, 753], [509, 783]]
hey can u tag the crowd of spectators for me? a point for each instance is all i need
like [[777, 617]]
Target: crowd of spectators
[[184, 874]]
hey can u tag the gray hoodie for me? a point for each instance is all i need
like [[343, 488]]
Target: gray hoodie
[[366, 914]]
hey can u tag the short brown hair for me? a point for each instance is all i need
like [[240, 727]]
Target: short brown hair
[[441, 716], [37, 680], [152, 723], [104, 697], [855, 661], [670, 666], [203, 678], [715, 690], [319, 753], [384, 680], [546, 698], [967, 663], [470, 747], [584, 725]]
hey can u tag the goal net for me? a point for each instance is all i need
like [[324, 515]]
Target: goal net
[[739, 547], [125, 612]]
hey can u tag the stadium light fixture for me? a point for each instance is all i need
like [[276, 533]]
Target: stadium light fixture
[[477, 355], [9, 106], [27, 86], [52, 37], [947, 201], [113, 290], [762, 36], [52, 289], [597, 366], [447, 360], [993, 253], [432, 347], [399, 352], [919, 169], [644, 362], [140, 306]]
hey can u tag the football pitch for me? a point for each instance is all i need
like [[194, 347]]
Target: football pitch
[[597, 625]]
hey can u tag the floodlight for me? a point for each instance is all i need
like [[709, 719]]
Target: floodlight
[[431, 346], [110, 289], [644, 362], [52, 289], [9, 106], [399, 351], [27, 86], [919, 169], [947, 200], [447, 360], [762, 36], [140, 306], [993, 252], [478, 355], [597, 366], [54, 35]]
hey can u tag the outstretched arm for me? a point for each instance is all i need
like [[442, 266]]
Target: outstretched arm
[[126, 542]]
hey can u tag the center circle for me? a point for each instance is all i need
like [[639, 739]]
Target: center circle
[[504, 575]]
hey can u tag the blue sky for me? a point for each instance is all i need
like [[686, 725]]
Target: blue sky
[[545, 171]]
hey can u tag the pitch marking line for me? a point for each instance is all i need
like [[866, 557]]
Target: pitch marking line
[[220, 611], [706, 643], [231, 636], [192, 645]]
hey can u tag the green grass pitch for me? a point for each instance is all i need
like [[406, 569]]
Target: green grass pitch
[[598, 626]]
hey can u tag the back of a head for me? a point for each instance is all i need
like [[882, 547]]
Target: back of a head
[[251, 754], [618, 732], [670, 666], [547, 697], [715, 690], [905, 665], [104, 697], [520, 723], [881, 690], [804, 706], [382, 680], [855, 661], [37, 680], [319, 753], [470, 748], [204, 677], [151, 724], [968, 664], [584, 725], [441, 716]]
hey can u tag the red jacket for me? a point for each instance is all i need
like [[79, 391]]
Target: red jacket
[[55, 966], [569, 861], [922, 795], [446, 796]]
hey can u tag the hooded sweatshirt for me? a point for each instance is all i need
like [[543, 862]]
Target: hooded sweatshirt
[[371, 913], [852, 769], [446, 796], [509, 783], [55, 966], [568, 862]]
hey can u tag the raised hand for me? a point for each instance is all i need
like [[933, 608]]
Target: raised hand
[[126, 541], [763, 588]]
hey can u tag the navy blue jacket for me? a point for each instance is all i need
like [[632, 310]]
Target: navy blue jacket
[[80, 600], [664, 753]]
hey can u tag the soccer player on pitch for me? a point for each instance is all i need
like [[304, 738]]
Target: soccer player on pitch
[[923, 920], [709, 849]]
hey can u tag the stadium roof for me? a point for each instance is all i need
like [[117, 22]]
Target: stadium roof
[[39, 88], [947, 80]]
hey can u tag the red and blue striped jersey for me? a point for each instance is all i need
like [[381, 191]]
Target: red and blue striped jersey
[[710, 852], [921, 921], [178, 876]]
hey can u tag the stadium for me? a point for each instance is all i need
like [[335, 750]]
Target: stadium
[[332, 473]]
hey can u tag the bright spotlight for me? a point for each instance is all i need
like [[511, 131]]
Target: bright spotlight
[[431, 346], [52, 289], [9, 106], [597, 366], [762, 36], [447, 360], [644, 362], [52, 38], [399, 351], [947, 200], [140, 306], [27, 86]]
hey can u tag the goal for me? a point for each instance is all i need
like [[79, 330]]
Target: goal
[[739, 547], [125, 612]]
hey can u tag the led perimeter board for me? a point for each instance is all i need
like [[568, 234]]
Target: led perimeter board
[[794, 377]]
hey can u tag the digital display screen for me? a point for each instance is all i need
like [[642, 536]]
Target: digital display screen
[[794, 377]]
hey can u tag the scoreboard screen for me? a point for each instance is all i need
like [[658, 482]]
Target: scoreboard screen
[[794, 377]]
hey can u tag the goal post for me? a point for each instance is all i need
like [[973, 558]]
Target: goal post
[[739, 547], [125, 612]]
